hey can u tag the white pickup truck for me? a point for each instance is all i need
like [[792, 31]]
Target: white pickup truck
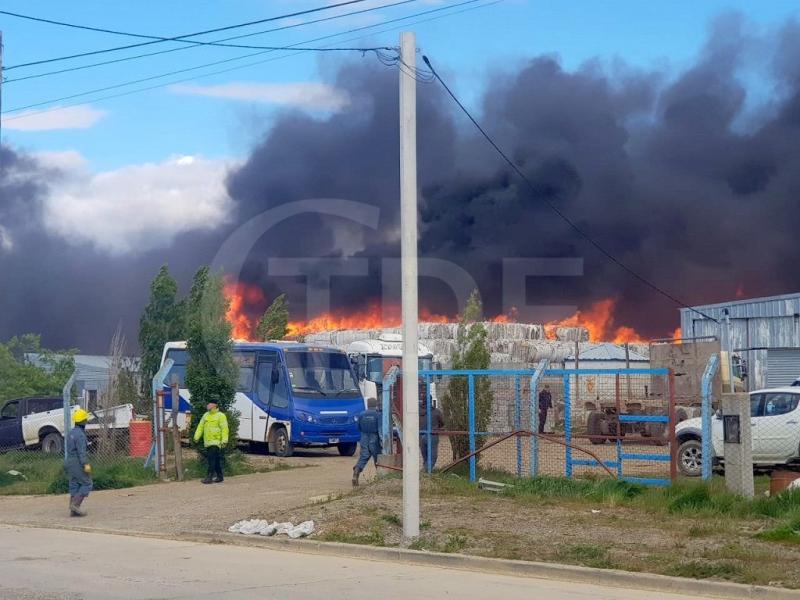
[[39, 423], [775, 426]]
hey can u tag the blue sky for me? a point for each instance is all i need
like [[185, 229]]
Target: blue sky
[[156, 124]]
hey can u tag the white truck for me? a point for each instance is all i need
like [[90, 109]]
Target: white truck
[[28, 423], [373, 358], [775, 426]]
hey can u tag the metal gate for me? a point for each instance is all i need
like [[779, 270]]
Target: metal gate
[[783, 366], [551, 422]]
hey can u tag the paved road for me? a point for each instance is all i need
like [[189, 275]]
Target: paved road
[[41, 564]]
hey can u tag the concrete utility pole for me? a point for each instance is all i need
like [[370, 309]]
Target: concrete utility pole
[[408, 253]]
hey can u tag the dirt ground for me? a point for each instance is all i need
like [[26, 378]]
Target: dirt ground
[[576, 532], [552, 458], [165, 508]]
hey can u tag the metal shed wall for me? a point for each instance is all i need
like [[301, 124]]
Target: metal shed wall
[[756, 325]]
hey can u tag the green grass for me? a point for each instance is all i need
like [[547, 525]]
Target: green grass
[[696, 569], [708, 504], [44, 474], [235, 463], [787, 532], [392, 519], [112, 474], [587, 555], [450, 544], [373, 538]]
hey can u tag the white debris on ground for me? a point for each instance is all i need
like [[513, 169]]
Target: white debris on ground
[[264, 527], [15, 473]]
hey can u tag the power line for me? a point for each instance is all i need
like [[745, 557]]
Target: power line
[[254, 63], [579, 230], [182, 48], [159, 40]]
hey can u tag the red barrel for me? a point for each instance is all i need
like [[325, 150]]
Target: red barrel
[[141, 433]]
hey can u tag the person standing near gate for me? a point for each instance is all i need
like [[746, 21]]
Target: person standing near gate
[[78, 468], [437, 424], [213, 428], [369, 424], [545, 404]]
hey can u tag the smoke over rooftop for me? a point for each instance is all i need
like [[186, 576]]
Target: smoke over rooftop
[[692, 178]]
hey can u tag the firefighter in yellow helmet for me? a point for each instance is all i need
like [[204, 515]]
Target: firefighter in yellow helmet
[[78, 468]]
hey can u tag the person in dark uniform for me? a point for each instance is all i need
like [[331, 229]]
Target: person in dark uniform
[[369, 424], [78, 468], [545, 404], [437, 424]]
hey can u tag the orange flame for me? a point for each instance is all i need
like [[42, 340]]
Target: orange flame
[[241, 296], [598, 320], [248, 302]]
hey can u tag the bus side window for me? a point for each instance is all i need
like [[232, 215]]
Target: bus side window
[[264, 381], [280, 397]]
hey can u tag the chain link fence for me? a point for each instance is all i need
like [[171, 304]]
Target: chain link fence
[[33, 435], [558, 422]]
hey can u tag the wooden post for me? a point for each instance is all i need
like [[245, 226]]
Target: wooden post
[[176, 434]]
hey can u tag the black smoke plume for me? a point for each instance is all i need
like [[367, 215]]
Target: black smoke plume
[[692, 179]]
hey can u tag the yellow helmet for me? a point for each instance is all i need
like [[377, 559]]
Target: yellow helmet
[[80, 416]]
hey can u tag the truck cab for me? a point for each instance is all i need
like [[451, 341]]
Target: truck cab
[[373, 358], [775, 427]]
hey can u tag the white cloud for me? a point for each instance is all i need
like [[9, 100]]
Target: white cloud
[[6, 241], [69, 117], [310, 95], [137, 207]]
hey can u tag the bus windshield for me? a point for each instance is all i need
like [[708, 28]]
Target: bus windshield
[[315, 374], [181, 359]]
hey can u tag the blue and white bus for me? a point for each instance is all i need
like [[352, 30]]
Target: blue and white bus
[[288, 395]]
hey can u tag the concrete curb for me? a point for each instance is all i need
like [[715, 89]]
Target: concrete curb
[[516, 568]]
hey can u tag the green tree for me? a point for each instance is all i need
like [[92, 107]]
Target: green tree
[[211, 373], [162, 321], [274, 324], [27, 369], [471, 352]]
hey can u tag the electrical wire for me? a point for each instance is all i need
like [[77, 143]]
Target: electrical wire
[[575, 227], [160, 40], [378, 53], [182, 48]]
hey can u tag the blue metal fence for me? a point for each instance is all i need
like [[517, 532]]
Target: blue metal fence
[[573, 449]]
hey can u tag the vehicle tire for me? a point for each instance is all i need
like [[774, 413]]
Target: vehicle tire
[[594, 427], [690, 454], [53, 443], [348, 449], [283, 446]]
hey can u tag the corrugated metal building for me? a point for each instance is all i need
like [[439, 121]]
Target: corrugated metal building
[[764, 332]]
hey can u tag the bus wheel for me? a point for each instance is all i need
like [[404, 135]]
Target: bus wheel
[[348, 449], [283, 447]]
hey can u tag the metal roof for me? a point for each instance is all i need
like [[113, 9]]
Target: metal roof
[[785, 305], [608, 351]]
